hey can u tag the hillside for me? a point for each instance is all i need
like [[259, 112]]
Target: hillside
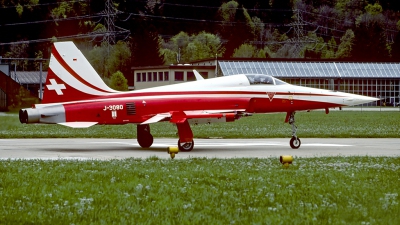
[[154, 32]]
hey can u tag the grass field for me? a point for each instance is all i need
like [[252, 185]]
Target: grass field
[[329, 190], [333, 190], [337, 124]]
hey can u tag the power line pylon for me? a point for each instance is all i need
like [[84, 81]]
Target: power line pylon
[[299, 39], [110, 13]]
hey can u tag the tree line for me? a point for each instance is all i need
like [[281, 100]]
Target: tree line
[[156, 32]]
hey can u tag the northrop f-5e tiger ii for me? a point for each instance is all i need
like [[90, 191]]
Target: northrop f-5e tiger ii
[[76, 96]]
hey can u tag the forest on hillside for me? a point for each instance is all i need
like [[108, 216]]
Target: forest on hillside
[[116, 35]]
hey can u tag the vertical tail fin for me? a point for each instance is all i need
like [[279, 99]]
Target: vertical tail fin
[[71, 77]]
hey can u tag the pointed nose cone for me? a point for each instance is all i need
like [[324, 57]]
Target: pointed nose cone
[[353, 99], [365, 99]]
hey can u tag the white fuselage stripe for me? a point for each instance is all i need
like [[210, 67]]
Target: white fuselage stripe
[[323, 99]]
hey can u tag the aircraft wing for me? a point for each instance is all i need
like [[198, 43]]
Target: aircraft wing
[[180, 117], [209, 112], [157, 118]]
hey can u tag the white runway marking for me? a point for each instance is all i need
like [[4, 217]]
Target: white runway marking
[[228, 144], [326, 145], [197, 145], [51, 158]]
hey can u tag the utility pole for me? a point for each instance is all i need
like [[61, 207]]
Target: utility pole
[[178, 55], [40, 82]]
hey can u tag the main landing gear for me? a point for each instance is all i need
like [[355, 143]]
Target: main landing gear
[[185, 141], [294, 141], [144, 137], [185, 146]]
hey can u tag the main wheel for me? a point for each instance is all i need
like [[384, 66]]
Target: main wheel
[[185, 146], [145, 141], [295, 143]]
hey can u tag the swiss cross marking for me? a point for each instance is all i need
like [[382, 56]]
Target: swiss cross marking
[[57, 87]]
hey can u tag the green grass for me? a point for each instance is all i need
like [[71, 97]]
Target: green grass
[[337, 124], [331, 190]]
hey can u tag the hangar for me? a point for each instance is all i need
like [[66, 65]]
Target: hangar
[[375, 79], [153, 76]]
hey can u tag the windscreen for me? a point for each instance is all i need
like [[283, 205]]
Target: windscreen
[[279, 82], [260, 79]]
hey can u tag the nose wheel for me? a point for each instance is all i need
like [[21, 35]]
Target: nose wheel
[[294, 141]]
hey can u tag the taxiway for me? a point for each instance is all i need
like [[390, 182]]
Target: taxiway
[[103, 149]]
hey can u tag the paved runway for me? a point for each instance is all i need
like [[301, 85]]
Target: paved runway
[[212, 148]]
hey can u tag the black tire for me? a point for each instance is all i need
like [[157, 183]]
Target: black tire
[[185, 147], [144, 137], [295, 143], [145, 141]]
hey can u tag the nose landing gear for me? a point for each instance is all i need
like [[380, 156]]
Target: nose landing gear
[[294, 141]]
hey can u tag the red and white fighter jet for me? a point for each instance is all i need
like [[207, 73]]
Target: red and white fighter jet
[[76, 96]]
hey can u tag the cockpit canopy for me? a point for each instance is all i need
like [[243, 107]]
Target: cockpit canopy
[[263, 79]]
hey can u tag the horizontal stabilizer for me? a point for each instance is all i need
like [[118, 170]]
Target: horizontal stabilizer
[[78, 124]]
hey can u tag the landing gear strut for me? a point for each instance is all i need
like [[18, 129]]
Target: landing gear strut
[[185, 141], [294, 141], [144, 137]]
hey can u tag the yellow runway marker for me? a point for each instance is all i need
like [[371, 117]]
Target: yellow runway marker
[[172, 151]]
